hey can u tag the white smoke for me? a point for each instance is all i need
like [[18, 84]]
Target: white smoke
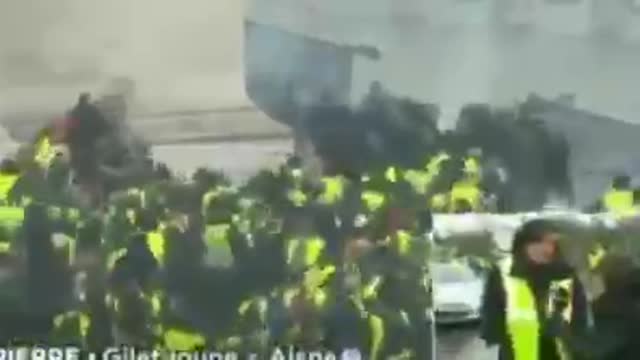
[[180, 55]]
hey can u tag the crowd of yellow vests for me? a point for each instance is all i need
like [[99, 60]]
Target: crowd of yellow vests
[[312, 266]]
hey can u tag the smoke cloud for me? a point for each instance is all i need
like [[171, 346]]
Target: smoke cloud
[[189, 55]]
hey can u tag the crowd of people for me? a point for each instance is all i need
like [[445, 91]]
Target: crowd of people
[[329, 264], [203, 264]]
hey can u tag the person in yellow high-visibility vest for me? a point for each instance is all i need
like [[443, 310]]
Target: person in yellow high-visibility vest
[[183, 338], [529, 289], [44, 151], [9, 175], [465, 193], [619, 200], [71, 328], [304, 247], [333, 192], [373, 193]]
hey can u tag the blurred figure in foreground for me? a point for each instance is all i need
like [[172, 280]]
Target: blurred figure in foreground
[[616, 316], [619, 199], [533, 285]]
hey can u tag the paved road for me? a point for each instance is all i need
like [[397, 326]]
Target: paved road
[[462, 343], [241, 160]]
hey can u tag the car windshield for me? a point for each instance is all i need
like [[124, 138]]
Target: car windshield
[[451, 273]]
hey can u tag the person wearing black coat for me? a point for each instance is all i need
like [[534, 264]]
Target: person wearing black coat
[[535, 258], [616, 316]]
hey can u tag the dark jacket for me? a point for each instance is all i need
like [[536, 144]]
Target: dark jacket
[[615, 333], [88, 125], [493, 329]]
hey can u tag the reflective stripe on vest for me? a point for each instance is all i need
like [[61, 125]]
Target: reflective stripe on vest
[[619, 202], [522, 323], [6, 184], [219, 252]]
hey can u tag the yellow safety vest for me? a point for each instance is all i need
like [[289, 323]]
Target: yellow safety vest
[[11, 216], [154, 299], [333, 190], [439, 202], [303, 253], [315, 277], [156, 243], [391, 174], [259, 303], [73, 319], [619, 202], [419, 180], [522, 324], [45, 152], [219, 252], [472, 167], [596, 256], [433, 166], [317, 296], [402, 242], [58, 213], [211, 195], [181, 340], [468, 192], [373, 200], [7, 181], [113, 257], [297, 197], [67, 247]]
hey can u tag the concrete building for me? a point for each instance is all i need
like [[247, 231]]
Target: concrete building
[[500, 50]]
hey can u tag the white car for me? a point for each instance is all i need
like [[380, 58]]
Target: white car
[[457, 292]]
